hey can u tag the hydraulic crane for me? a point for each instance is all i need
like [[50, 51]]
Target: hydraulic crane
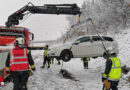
[[9, 32], [69, 9]]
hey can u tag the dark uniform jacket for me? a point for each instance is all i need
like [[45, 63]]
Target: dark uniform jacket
[[108, 66]]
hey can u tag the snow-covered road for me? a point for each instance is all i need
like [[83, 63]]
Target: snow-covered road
[[50, 79]]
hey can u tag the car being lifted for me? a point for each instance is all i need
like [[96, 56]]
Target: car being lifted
[[84, 46]]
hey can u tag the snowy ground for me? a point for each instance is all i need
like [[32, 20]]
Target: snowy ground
[[50, 79]]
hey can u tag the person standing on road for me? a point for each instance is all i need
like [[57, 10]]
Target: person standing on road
[[112, 73], [46, 58], [17, 64], [85, 62]]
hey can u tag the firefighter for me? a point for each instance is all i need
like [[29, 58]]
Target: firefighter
[[46, 57], [85, 62], [112, 73], [17, 64]]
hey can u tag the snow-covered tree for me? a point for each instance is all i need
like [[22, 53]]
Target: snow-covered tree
[[108, 17]]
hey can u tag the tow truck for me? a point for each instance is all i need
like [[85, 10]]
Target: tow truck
[[9, 32]]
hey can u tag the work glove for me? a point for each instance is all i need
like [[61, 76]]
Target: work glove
[[7, 72], [2, 83], [33, 69], [103, 79]]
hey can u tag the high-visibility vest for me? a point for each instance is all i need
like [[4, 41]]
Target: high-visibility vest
[[19, 59], [45, 53], [115, 72], [86, 59]]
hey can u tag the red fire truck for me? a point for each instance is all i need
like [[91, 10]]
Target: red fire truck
[[7, 37]]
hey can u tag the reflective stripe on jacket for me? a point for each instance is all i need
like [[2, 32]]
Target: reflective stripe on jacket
[[115, 72], [19, 59]]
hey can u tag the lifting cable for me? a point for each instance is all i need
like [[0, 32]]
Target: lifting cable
[[89, 19], [98, 34], [67, 34]]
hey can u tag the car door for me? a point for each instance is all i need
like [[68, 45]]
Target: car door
[[81, 49], [96, 46]]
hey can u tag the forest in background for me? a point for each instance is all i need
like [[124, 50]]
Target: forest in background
[[109, 17]]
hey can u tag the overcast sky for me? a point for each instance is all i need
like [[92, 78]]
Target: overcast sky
[[44, 27]]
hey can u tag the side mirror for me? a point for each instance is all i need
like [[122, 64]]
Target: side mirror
[[76, 42]]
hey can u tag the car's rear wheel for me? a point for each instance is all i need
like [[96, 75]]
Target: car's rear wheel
[[66, 55]]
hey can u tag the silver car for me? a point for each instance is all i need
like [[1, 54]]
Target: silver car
[[84, 46]]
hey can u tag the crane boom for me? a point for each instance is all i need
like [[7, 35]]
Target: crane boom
[[69, 9]]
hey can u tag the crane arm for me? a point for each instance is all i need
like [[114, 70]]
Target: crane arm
[[69, 9]]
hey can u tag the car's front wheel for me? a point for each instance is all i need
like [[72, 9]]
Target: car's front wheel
[[66, 55]]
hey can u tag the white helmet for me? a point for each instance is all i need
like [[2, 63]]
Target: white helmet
[[20, 40], [110, 50]]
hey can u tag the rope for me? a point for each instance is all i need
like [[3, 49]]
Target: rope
[[68, 31], [98, 34]]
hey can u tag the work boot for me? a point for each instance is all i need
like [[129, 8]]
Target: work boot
[[58, 63], [42, 67], [85, 67], [48, 67]]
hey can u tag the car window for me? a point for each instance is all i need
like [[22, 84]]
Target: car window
[[107, 38], [84, 39], [96, 38]]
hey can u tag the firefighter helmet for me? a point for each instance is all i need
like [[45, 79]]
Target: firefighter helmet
[[19, 41], [110, 50]]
